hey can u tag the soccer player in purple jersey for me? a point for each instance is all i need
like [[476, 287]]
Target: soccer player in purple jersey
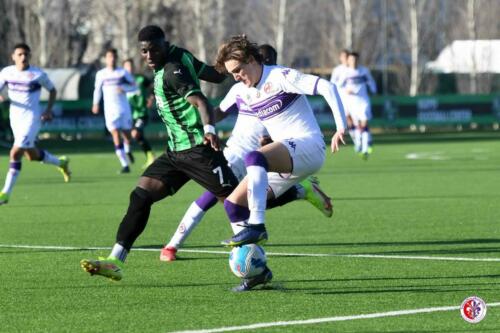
[[24, 83], [276, 95]]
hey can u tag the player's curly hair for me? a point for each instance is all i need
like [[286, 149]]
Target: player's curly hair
[[237, 48], [149, 33]]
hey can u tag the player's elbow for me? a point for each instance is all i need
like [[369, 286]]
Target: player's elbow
[[325, 88]]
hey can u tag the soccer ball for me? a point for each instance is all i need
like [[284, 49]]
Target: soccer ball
[[247, 261]]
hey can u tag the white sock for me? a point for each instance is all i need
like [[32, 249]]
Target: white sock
[[357, 139], [257, 193], [48, 158], [119, 252], [121, 156], [189, 221], [237, 227], [126, 147], [365, 140], [10, 178]]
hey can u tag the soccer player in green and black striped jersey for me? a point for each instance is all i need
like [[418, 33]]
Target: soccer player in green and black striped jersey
[[192, 146], [139, 100]]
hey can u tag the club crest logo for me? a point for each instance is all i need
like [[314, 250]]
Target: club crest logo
[[268, 87], [473, 309]]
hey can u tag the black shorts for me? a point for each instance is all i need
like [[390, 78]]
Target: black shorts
[[202, 164], [140, 123]]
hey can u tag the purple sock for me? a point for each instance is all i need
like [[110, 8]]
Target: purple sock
[[41, 154], [16, 165], [235, 212], [206, 201], [256, 158]]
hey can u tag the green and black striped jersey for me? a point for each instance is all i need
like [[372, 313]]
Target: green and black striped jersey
[[138, 98], [177, 80]]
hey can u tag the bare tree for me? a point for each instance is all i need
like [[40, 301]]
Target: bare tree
[[399, 34], [280, 30], [199, 12], [471, 25], [414, 48], [348, 23]]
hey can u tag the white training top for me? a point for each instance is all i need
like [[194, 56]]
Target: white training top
[[337, 73], [248, 129], [107, 84], [25, 88], [280, 103], [359, 80]]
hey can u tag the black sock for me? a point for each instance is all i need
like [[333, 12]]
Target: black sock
[[290, 195], [141, 140], [135, 220]]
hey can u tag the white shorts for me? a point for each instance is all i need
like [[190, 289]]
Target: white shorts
[[25, 127], [308, 156], [118, 121], [361, 112], [236, 163]]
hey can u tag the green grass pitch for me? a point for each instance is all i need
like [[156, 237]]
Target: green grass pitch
[[411, 199]]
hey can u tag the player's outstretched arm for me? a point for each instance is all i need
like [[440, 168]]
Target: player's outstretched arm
[[129, 85], [371, 82], [331, 95], [96, 97], [47, 114], [208, 73], [219, 115], [207, 117]]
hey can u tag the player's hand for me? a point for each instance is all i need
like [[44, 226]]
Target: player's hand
[[95, 109], [2, 99], [336, 139], [265, 140], [212, 140], [47, 115]]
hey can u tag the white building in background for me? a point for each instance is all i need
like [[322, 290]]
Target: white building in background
[[468, 56]]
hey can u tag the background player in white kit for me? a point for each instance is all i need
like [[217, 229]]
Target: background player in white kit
[[247, 135], [355, 83], [24, 83], [337, 74], [112, 83], [276, 95]]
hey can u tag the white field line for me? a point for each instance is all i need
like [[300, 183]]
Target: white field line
[[375, 256], [329, 319]]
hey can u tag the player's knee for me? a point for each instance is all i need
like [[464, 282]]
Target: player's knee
[[140, 199], [35, 155], [256, 158], [16, 154]]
